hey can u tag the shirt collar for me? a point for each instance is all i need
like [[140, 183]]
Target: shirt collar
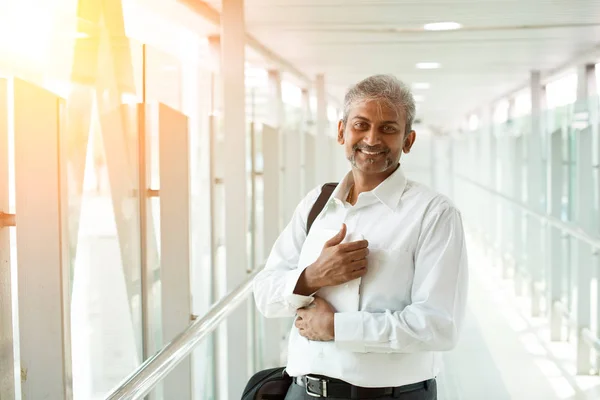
[[387, 192]]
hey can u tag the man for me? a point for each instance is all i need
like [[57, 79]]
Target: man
[[378, 299]]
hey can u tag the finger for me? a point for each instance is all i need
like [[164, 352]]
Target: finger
[[358, 273], [337, 239], [352, 246], [298, 324], [359, 264], [355, 255]]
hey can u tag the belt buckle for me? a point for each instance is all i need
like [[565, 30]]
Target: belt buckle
[[322, 384]]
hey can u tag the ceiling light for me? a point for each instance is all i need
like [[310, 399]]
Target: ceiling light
[[428, 65], [421, 85], [81, 35], [442, 26]]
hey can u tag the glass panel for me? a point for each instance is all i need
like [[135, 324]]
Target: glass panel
[[103, 202], [105, 242]]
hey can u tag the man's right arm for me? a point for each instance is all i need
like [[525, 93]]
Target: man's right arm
[[275, 287], [306, 286]]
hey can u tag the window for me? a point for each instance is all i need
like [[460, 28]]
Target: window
[[501, 112], [562, 91], [473, 122], [523, 103]]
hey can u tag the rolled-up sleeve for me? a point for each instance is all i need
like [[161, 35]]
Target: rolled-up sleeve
[[433, 320], [274, 285]]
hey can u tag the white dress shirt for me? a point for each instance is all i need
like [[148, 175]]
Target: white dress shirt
[[391, 325]]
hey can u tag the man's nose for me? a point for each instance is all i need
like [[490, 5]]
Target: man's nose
[[372, 137]]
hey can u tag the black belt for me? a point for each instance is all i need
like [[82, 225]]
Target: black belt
[[318, 386]]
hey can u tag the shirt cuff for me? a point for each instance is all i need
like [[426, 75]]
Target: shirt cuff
[[295, 301], [349, 331]]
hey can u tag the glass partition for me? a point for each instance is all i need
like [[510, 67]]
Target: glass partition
[[541, 167]]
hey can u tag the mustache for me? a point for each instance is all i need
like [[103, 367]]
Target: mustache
[[372, 149]]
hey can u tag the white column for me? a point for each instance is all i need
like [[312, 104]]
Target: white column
[[215, 178], [232, 359], [8, 384], [276, 206], [323, 162], [586, 82], [275, 119], [584, 258], [272, 340], [276, 114], [308, 144], [292, 174], [175, 240], [486, 173], [42, 252], [535, 192], [271, 182]]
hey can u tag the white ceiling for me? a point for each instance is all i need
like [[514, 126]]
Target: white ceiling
[[501, 42]]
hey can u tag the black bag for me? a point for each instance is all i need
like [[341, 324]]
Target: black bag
[[273, 384], [268, 384]]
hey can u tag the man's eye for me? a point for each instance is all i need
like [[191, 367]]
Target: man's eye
[[389, 129]]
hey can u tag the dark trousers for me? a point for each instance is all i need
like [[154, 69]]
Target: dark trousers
[[297, 392]]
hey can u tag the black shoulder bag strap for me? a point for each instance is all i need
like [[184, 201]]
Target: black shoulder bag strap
[[316, 209]]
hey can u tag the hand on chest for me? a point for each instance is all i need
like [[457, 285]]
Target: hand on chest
[[390, 265]]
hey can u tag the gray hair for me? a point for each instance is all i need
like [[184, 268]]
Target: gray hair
[[382, 87]]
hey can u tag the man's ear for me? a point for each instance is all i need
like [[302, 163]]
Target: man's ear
[[340, 135], [409, 140]]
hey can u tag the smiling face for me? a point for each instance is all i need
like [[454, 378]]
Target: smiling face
[[374, 137]]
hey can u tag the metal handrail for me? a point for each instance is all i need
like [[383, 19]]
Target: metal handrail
[[586, 334], [567, 228], [141, 381]]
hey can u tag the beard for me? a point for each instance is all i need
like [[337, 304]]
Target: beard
[[379, 160]]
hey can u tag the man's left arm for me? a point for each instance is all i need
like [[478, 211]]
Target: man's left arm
[[439, 295]]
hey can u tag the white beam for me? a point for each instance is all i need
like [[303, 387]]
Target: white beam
[[589, 56], [206, 11]]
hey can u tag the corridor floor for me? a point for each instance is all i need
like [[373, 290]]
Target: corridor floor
[[504, 354]]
